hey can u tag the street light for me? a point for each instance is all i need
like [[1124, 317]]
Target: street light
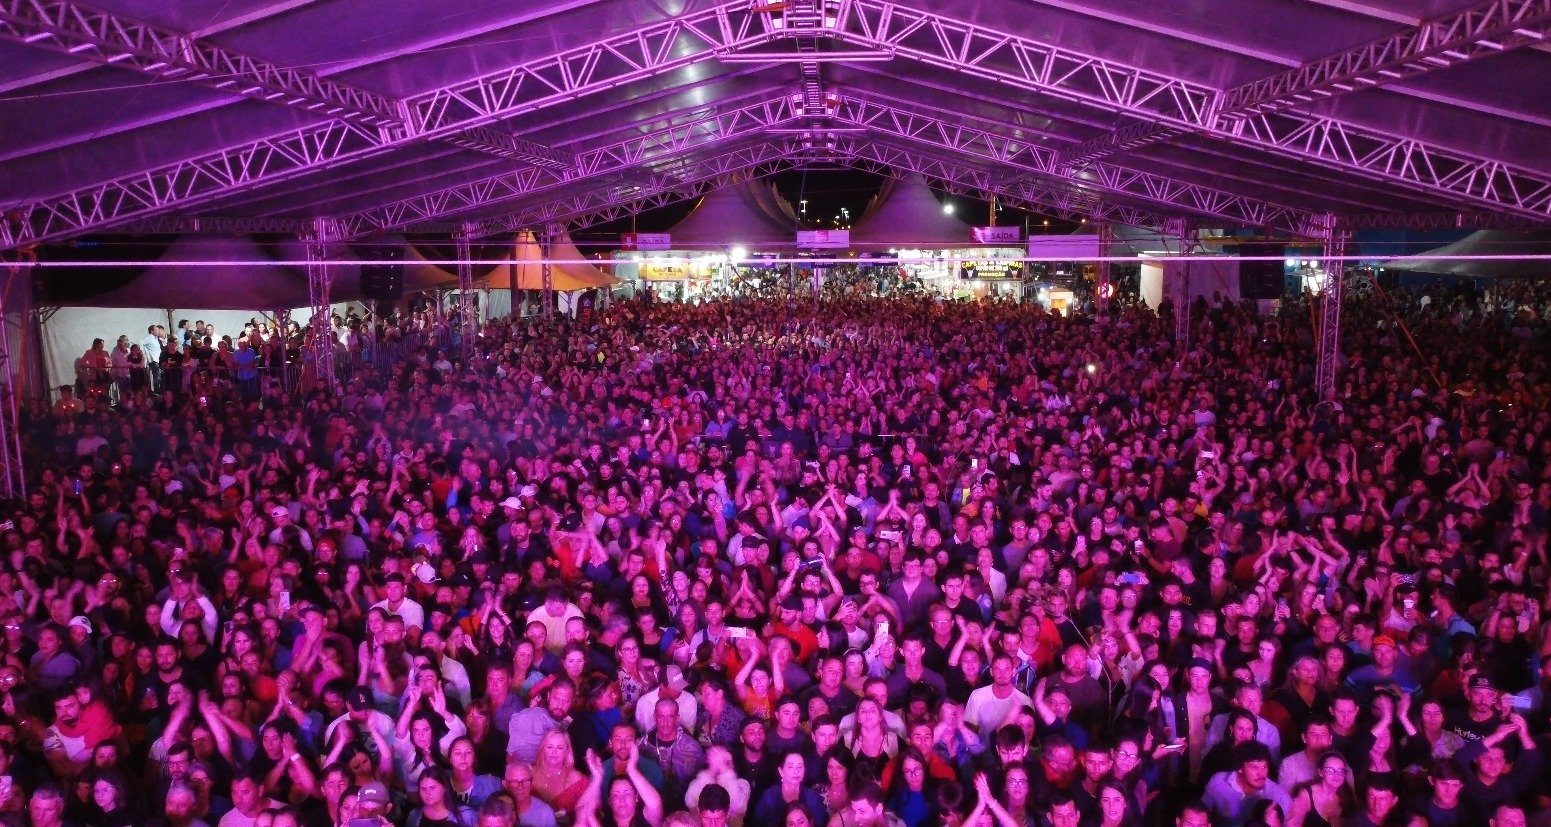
[[947, 209]]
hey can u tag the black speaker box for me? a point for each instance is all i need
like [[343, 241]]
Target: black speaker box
[[383, 281], [1262, 279]]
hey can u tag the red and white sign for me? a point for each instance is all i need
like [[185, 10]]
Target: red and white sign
[[824, 239], [646, 242], [1012, 235]]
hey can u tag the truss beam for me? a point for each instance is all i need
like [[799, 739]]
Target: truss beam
[[613, 202], [1139, 92], [436, 114], [706, 131], [90, 34], [1328, 352], [320, 277], [1104, 180], [102, 37], [1484, 30], [1490, 28], [962, 178], [466, 322]]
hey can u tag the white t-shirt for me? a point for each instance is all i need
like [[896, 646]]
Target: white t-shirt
[[986, 711], [409, 610]]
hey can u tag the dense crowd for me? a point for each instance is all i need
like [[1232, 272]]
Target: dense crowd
[[858, 563]]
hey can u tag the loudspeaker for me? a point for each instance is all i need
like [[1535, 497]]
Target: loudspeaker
[[382, 282], [1262, 279]]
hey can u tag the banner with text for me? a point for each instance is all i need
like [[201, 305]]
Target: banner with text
[[998, 235], [823, 239], [646, 242]]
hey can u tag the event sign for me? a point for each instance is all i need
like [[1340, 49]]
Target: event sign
[[823, 239], [991, 268], [646, 242], [1010, 235]]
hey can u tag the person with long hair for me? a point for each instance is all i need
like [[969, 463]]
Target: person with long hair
[[437, 807], [1115, 807], [911, 796], [1328, 799], [872, 742], [556, 780], [110, 805], [835, 782]]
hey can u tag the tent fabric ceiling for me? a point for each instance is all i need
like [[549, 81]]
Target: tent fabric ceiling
[[76, 121], [246, 278], [731, 215], [1444, 260], [909, 215]]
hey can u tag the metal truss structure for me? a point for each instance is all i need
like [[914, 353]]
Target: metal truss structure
[[439, 113], [86, 33], [1187, 106], [1103, 288], [467, 324], [1481, 31], [889, 120], [1328, 353], [355, 124], [1485, 30], [13, 479], [705, 132], [320, 354], [1179, 286], [547, 272]]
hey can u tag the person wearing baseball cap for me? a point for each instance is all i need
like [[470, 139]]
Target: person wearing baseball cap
[[1386, 670], [1481, 716]]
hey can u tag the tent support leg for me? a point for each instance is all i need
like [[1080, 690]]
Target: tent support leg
[[1179, 288], [1102, 288], [1329, 352], [283, 321], [466, 321], [14, 482], [547, 273], [319, 280]]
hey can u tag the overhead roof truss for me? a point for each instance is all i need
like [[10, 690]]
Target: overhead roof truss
[[360, 125]]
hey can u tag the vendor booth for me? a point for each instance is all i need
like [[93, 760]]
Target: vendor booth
[[716, 248], [905, 229]]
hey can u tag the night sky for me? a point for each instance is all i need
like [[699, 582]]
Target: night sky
[[827, 193]]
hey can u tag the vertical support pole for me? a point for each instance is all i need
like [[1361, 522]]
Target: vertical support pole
[[283, 320], [547, 273], [1329, 352], [319, 280], [1179, 286], [1103, 290], [14, 482], [371, 332], [466, 324]]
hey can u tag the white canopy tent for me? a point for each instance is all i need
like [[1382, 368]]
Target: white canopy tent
[[1441, 261], [234, 281], [906, 215]]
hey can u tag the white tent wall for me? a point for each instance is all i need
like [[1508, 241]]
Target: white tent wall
[[69, 331], [1206, 278]]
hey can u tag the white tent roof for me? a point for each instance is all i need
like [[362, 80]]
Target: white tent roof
[[907, 214], [246, 278], [731, 216], [1484, 242], [1133, 241], [527, 271]]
